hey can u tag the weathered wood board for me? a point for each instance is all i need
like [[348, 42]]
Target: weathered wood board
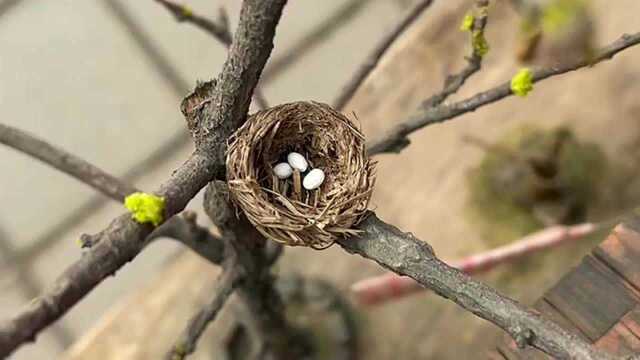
[[598, 299]]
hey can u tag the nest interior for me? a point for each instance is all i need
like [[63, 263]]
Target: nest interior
[[329, 141]]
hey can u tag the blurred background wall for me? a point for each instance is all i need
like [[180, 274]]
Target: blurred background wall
[[104, 79]]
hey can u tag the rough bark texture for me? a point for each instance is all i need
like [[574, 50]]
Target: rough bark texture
[[404, 254], [183, 229], [253, 259], [224, 107], [123, 239], [416, 196], [211, 122]]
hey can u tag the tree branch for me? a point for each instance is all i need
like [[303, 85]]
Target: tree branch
[[116, 245], [374, 57], [65, 162], [395, 139], [380, 289], [186, 344], [184, 229], [316, 36], [220, 30], [123, 239], [403, 254], [453, 83], [254, 256]]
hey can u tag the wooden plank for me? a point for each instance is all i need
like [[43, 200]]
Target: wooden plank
[[618, 341], [553, 314], [632, 321], [621, 252], [598, 300], [622, 339], [592, 297]]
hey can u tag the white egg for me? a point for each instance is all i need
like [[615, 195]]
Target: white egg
[[283, 170], [297, 161], [313, 180]]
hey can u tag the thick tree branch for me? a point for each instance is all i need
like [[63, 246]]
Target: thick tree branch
[[215, 109], [395, 139], [186, 344], [184, 229], [254, 256], [220, 30], [391, 286], [116, 245], [403, 254], [374, 57], [123, 239]]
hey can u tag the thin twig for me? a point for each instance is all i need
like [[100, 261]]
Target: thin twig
[[406, 255], [153, 52], [185, 229], [315, 37], [389, 287], [123, 239], [42, 243], [395, 139], [186, 344], [65, 162], [453, 83], [177, 84], [220, 30], [183, 13], [373, 58]]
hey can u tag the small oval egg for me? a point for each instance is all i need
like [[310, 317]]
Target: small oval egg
[[313, 180], [282, 170], [297, 161]]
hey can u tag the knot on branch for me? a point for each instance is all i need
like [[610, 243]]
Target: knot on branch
[[195, 101], [524, 337]]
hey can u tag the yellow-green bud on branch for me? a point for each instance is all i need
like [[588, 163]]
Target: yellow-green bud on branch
[[145, 208], [522, 82], [467, 23], [479, 43]]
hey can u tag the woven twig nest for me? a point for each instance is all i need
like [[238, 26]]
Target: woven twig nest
[[329, 141]]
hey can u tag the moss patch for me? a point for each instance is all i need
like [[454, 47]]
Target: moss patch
[[532, 178]]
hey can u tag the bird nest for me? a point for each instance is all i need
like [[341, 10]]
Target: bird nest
[[280, 208]]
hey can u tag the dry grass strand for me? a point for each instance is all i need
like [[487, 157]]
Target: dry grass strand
[[329, 141]]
